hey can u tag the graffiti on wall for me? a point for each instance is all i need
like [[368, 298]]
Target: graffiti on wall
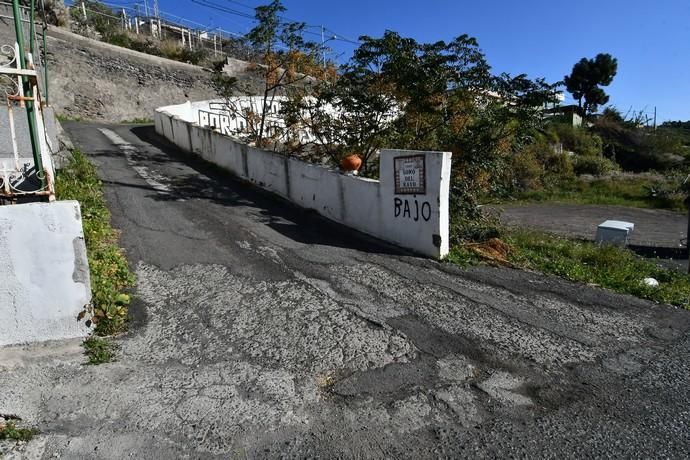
[[218, 121], [412, 209]]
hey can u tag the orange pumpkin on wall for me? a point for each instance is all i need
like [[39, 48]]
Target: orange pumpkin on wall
[[351, 163]]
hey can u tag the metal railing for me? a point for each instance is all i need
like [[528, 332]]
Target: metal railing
[[20, 77], [163, 27]]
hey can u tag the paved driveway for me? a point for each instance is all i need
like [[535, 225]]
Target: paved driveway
[[261, 332], [653, 227]]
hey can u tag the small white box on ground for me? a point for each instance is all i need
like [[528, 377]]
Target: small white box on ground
[[614, 232]]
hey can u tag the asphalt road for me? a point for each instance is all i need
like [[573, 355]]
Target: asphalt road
[[262, 332]]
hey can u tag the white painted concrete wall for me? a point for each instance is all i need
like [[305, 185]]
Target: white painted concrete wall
[[44, 272], [369, 206], [230, 117]]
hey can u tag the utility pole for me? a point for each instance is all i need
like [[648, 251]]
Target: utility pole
[[157, 14], [323, 47], [137, 15], [654, 118]]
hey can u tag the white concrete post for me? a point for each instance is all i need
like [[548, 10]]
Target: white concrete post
[[83, 10], [415, 190]]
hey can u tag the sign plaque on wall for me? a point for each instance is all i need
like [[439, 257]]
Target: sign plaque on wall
[[410, 175]]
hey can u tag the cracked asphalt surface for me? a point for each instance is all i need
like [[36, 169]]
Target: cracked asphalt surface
[[262, 331]]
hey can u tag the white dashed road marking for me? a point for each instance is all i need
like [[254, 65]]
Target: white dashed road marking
[[151, 178]]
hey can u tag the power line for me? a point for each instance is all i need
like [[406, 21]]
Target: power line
[[134, 7], [224, 9], [241, 4], [218, 7]]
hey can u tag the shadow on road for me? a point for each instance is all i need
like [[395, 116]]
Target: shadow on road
[[218, 186]]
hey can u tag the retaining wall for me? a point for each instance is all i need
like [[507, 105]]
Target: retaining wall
[[378, 208], [44, 272]]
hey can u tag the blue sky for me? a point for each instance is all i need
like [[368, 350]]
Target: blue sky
[[541, 38]]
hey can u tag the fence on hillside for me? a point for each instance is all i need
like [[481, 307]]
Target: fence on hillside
[[215, 42]]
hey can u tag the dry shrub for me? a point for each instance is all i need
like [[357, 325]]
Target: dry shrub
[[527, 171], [493, 250]]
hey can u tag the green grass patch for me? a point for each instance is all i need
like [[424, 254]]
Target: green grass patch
[[137, 121], [463, 257], [62, 117], [110, 274], [98, 350], [11, 431], [610, 267], [632, 192]]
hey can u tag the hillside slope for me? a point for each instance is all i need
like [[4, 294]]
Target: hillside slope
[[101, 82]]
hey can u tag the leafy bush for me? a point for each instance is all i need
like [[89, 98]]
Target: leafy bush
[[147, 46], [526, 171], [98, 350], [172, 50], [649, 160], [596, 166], [539, 165], [578, 140], [472, 225], [118, 38], [110, 275], [638, 148], [558, 167], [100, 18], [11, 431], [671, 193]]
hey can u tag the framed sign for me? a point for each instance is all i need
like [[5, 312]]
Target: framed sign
[[410, 175]]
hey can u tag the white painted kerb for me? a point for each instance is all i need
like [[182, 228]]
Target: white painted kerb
[[418, 222], [44, 273]]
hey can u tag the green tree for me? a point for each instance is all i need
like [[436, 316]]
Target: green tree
[[282, 49], [398, 93], [99, 17], [586, 78]]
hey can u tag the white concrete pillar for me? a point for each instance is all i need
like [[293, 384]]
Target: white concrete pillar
[[415, 191]]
